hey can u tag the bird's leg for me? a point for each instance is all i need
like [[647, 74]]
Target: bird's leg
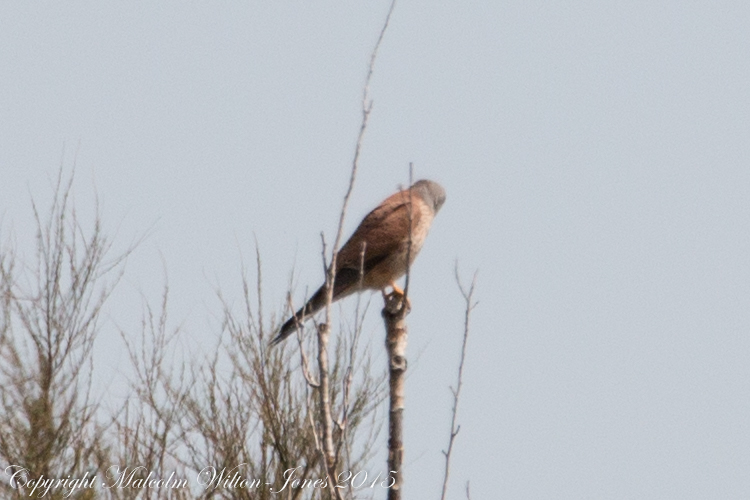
[[398, 291]]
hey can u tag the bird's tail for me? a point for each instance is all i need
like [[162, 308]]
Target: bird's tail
[[315, 304]]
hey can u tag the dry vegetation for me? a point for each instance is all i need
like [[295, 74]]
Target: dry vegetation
[[246, 409]]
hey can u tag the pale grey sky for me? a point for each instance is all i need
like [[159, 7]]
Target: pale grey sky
[[597, 164]]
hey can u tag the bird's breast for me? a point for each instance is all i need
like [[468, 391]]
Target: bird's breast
[[395, 265]]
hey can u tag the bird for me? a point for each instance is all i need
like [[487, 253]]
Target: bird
[[376, 254]]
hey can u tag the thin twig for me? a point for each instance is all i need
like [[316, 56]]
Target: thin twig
[[411, 229], [259, 291], [455, 428], [305, 364], [366, 108]]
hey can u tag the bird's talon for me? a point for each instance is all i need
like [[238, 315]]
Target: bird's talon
[[397, 297]]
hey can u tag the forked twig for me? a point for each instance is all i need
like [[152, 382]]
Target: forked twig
[[455, 428]]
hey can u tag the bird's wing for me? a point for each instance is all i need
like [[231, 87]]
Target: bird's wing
[[382, 232]]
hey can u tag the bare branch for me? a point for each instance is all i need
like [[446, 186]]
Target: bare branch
[[326, 420], [366, 108], [456, 392]]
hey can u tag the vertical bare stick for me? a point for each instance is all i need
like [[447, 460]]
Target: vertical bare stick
[[468, 297], [394, 315], [366, 108], [324, 330], [325, 406], [323, 388], [411, 229]]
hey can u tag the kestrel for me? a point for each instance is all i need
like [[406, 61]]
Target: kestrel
[[384, 235]]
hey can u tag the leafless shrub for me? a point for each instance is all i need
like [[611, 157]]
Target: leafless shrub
[[148, 428], [50, 319], [245, 410]]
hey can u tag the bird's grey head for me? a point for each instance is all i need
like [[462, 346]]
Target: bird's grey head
[[431, 192]]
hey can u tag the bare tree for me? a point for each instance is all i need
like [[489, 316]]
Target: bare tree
[[50, 320], [247, 411]]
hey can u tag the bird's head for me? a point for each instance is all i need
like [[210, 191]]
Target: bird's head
[[431, 192]]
